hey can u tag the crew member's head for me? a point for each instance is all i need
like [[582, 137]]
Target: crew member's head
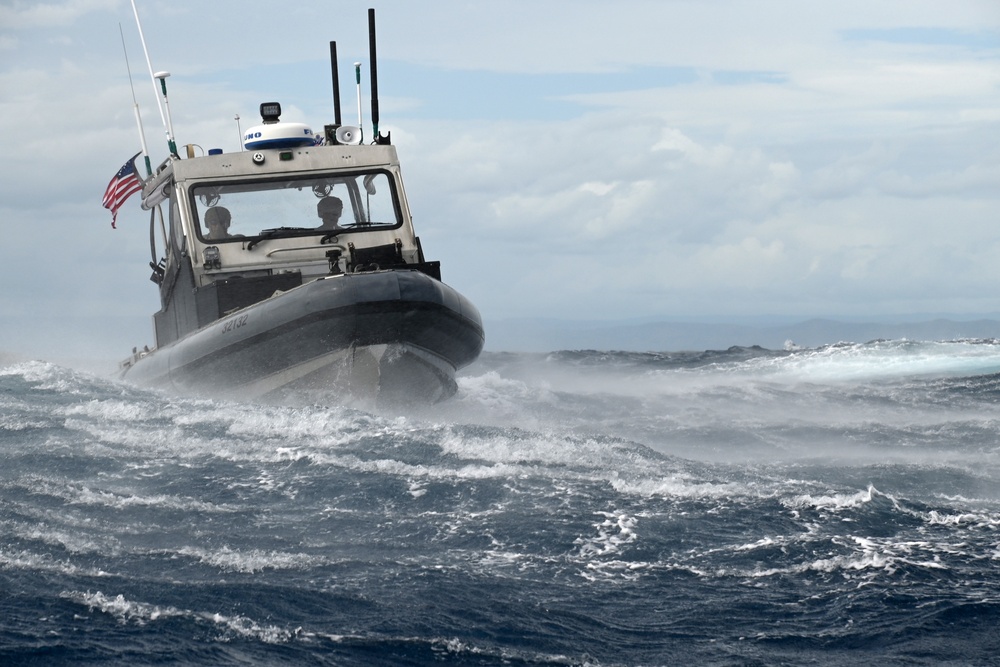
[[217, 220], [329, 210]]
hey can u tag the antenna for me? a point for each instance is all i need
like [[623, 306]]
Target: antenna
[[166, 126], [357, 77], [378, 139], [162, 78], [336, 83], [239, 131], [135, 106]]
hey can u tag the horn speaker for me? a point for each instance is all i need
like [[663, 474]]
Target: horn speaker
[[348, 135]]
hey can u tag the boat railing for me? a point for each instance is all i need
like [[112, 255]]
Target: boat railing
[[323, 246]]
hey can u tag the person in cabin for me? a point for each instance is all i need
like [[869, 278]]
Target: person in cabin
[[217, 221], [329, 210]]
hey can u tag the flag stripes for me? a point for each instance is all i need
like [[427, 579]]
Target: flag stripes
[[122, 186]]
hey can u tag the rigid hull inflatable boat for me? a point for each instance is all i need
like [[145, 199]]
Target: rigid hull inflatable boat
[[293, 266]]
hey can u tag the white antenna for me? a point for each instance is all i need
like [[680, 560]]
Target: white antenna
[[162, 78], [239, 131], [357, 77], [135, 106], [166, 126]]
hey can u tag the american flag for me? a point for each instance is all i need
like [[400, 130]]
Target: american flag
[[122, 186]]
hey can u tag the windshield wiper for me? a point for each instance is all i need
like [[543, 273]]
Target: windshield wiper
[[278, 232]]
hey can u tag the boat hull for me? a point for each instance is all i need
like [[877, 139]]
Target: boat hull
[[392, 337]]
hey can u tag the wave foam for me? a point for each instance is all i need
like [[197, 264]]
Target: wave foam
[[253, 560], [836, 502], [73, 493], [34, 562], [616, 531], [142, 613]]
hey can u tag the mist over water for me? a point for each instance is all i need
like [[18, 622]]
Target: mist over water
[[745, 506], [747, 404]]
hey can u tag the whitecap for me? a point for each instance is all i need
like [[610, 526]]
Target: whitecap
[[837, 501], [252, 560], [27, 560], [142, 613]]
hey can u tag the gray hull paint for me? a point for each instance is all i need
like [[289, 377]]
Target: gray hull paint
[[390, 336]]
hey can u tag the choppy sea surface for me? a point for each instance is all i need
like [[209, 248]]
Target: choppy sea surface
[[834, 506]]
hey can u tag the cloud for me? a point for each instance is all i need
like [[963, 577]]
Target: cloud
[[23, 15]]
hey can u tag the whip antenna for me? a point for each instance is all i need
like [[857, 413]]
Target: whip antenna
[[357, 77], [336, 83], [162, 78], [135, 106], [376, 137], [166, 126]]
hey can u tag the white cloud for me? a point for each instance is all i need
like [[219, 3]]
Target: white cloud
[[673, 139], [23, 15]]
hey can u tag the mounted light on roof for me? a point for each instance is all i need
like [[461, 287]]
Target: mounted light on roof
[[270, 111]]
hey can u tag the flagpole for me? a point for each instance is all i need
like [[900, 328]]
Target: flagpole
[[135, 106]]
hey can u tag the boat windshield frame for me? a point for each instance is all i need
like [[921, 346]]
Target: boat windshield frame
[[369, 198]]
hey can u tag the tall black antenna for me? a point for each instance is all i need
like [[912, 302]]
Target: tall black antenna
[[336, 83], [379, 139]]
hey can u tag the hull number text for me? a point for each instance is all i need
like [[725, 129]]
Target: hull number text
[[234, 324]]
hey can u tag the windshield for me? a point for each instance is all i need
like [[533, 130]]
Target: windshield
[[294, 206]]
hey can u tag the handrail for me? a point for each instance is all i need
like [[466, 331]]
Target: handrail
[[321, 246]]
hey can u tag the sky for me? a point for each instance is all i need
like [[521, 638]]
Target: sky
[[576, 160]]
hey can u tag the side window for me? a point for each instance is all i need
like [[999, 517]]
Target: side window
[[176, 233]]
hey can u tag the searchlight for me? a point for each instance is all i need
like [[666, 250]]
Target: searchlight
[[270, 112]]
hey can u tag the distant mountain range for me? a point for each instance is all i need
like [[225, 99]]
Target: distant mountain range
[[527, 335]]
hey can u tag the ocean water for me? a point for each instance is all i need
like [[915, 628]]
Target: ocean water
[[834, 506]]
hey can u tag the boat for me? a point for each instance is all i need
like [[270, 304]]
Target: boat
[[292, 268]]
